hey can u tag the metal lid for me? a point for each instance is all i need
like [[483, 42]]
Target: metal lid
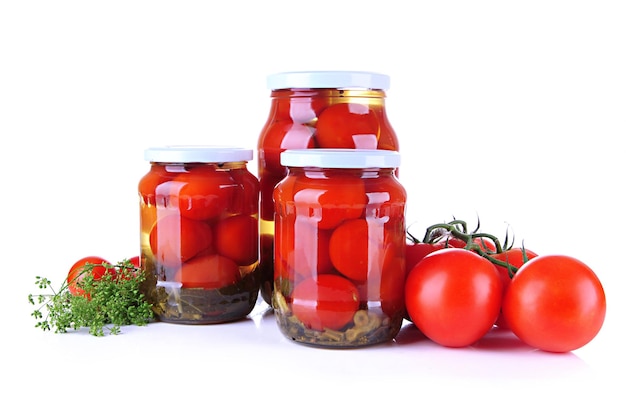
[[328, 80], [340, 158], [197, 154]]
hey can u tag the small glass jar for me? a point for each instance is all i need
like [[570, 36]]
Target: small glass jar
[[316, 109], [339, 247], [199, 233]]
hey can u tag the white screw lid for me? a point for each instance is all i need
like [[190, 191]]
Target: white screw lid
[[340, 158], [197, 154], [328, 80]]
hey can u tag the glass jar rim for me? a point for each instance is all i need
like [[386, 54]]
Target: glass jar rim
[[197, 154], [328, 80], [340, 158]]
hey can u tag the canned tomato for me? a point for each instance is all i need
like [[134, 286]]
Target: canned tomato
[[199, 233], [339, 247], [316, 109]]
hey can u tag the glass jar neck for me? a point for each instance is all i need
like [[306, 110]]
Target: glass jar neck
[[176, 166], [328, 93]]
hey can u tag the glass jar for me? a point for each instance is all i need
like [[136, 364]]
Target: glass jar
[[318, 109], [339, 247], [199, 233]]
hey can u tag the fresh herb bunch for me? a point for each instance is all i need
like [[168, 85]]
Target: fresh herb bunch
[[108, 303]]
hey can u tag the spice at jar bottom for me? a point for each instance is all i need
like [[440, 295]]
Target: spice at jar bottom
[[339, 247]]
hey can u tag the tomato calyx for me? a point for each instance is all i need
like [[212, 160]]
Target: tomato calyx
[[456, 234]]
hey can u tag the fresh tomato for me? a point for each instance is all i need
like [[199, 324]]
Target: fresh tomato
[[203, 193], [208, 272], [453, 296], [135, 261], [415, 252], [515, 258], [325, 302], [349, 126], [555, 303], [485, 244], [175, 239], [78, 271], [451, 241], [236, 238]]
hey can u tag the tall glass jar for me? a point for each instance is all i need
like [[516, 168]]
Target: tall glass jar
[[339, 247], [199, 233], [317, 109]]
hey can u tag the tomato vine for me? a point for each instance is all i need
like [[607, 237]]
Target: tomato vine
[[451, 233]]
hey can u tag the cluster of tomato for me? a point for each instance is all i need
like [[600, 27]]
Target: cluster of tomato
[[460, 285]]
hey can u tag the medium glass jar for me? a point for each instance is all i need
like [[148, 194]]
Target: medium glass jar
[[317, 109], [339, 247], [199, 233]]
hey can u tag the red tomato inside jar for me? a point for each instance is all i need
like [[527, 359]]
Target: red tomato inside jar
[[339, 247], [316, 109], [199, 233]]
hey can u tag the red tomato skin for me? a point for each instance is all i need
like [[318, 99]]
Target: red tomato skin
[[337, 198], [236, 237], [325, 302], [74, 275], [208, 272], [302, 247], [150, 182], [349, 249], [415, 252], [386, 285], [515, 258], [175, 239], [555, 303], [279, 136], [485, 244], [135, 261], [247, 192], [348, 125], [453, 296], [452, 242], [203, 193]]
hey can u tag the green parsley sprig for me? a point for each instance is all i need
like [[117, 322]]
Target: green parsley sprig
[[113, 301]]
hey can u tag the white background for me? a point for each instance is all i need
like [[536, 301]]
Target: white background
[[511, 112]]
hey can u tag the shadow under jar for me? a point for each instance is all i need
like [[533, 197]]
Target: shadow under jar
[[199, 233], [339, 247], [316, 109]]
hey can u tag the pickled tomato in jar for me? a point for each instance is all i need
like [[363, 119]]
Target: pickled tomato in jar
[[199, 233], [316, 109], [339, 247]]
